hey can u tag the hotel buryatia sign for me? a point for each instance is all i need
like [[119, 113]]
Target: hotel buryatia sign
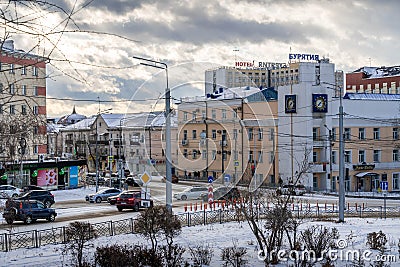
[[364, 167]]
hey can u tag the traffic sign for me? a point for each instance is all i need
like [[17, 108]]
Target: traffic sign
[[227, 178], [384, 185], [210, 179], [145, 178], [236, 163], [210, 193]]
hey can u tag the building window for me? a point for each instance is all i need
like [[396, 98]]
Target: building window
[[347, 133], [333, 134], [260, 134], [213, 154], [35, 91], [214, 134], [377, 134], [315, 133], [35, 110], [234, 114], [194, 153], [204, 154], [185, 135], [11, 68], [23, 70], [12, 89], [185, 116], [224, 156], [260, 156], [315, 156], [35, 130], [395, 155], [361, 133], [395, 133], [224, 114], [377, 155], [271, 134], [35, 149], [23, 90], [23, 109], [185, 153], [34, 71], [271, 156], [334, 157], [203, 114], [12, 109], [194, 134], [213, 114], [347, 156], [361, 156], [395, 182], [250, 133], [250, 156], [194, 115], [235, 134]]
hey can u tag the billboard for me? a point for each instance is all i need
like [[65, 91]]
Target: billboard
[[73, 177], [47, 177]]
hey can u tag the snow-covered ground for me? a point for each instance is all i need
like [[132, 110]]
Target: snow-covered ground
[[353, 233]]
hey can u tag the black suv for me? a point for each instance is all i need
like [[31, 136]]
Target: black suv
[[43, 196], [27, 211]]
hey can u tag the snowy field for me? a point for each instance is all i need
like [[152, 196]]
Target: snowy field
[[353, 233]]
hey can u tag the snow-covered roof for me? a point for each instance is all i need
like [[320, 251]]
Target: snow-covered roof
[[379, 72], [54, 128], [367, 96], [82, 125]]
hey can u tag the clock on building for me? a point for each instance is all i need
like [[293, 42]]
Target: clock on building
[[290, 103], [320, 102]]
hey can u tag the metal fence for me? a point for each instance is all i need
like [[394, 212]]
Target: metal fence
[[57, 235]]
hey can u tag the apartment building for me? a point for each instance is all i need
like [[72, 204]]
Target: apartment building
[[230, 136], [23, 104]]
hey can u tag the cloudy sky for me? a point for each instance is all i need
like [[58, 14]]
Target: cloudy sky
[[92, 58]]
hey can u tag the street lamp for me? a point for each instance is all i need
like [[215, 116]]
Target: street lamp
[[341, 156], [168, 185]]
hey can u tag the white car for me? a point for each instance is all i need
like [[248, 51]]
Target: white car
[[7, 191], [193, 192]]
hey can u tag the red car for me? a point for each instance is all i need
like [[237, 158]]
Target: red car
[[132, 200]]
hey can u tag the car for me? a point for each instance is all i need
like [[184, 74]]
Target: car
[[290, 189], [102, 195], [113, 199], [133, 181], [174, 179], [27, 188], [223, 193], [44, 196], [132, 200], [8, 191], [27, 211], [193, 192]]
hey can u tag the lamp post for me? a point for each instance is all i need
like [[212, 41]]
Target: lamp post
[[168, 185]]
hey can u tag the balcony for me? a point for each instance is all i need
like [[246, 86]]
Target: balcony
[[134, 143], [319, 167], [223, 143], [69, 142]]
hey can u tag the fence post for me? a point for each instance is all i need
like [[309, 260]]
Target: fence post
[[220, 216], [35, 233], [132, 226], [204, 218], [6, 241], [111, 228], [63, 234]]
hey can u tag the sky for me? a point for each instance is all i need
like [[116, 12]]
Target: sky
[[91, 52]]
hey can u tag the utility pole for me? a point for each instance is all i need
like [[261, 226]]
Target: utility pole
[[341, 160]]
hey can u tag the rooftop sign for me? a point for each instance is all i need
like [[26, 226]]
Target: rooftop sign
[[259, 65], [308, 57]]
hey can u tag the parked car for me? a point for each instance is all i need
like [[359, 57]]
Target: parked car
[[290, 189], [7, 191], [132, 200], [174, 179], [27, 188], [102, 195], [27, 211], [44, 196], [193, 192], [223, 193]]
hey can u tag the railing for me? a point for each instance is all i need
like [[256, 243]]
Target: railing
[[222, 214]]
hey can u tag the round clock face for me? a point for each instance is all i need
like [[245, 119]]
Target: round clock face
[[290, 103], [320, 103]]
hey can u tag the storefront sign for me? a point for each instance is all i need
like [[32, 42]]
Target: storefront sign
[[259, 65], [364, 167]]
